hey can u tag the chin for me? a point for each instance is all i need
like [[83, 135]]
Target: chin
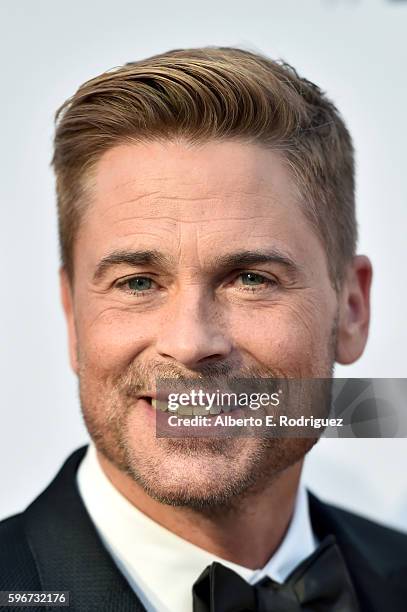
[[189, 471], [208, 474]]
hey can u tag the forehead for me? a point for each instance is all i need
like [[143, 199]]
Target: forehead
[[192, 201], [227, 177]]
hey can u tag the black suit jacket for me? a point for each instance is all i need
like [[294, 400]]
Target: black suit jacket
[[53, 545]]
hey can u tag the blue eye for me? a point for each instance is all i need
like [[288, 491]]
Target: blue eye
[[253, 279], [251, 282], [139, 283]]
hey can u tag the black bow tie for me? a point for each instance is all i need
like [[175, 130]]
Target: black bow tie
[[321, 583]]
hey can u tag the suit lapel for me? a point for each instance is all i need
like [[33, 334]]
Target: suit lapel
[[68, 551], [377, 588]]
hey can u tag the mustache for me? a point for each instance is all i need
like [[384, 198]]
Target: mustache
[[144, 378]]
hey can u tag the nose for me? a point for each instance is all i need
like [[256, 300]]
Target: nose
[[193, 332]]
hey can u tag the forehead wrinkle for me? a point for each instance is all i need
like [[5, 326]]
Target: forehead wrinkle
[[204, 225], [229, 213], [213, 195], [245, 178], [212, 189], [132, 181], [144, 234], [160, 200], [160, 196], [136, 198]]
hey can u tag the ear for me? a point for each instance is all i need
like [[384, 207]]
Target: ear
[[67, 304], [354, 311]]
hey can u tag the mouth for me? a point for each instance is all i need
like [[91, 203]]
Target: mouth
[[161, 404]]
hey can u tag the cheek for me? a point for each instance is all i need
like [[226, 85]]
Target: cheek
[[291, 338], [110, 339]]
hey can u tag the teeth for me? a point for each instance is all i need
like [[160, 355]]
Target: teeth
[[215, 410], [159, 405], [200, 411], [182, 410]]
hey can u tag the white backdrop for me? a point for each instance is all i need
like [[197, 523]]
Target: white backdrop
[[355, 50]]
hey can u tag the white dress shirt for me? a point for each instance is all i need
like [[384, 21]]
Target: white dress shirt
[[160, 566]]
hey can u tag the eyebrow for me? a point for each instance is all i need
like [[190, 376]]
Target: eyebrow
[[130, 258], [228, 261], [247, 258]]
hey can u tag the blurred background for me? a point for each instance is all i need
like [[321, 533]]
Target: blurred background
[[356, 50]]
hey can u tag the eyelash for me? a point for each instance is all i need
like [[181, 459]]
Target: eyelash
[[269, 282], [252, 289], [122, 284]]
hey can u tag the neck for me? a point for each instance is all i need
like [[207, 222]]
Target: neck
[[247, 535]]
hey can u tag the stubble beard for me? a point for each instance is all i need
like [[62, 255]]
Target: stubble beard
[[209, 475]]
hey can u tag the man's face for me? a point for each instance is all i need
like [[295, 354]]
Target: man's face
[[203, 305]]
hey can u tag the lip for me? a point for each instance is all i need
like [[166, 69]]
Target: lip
[[151, 413], [160, 397], [158, 402], [158, 420]]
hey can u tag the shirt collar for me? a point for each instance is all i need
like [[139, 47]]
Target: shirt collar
[[155, 561]]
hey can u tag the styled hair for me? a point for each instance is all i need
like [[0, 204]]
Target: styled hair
[[204, 94]]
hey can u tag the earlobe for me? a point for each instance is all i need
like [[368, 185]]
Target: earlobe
[[354, 311], [67, 304]]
